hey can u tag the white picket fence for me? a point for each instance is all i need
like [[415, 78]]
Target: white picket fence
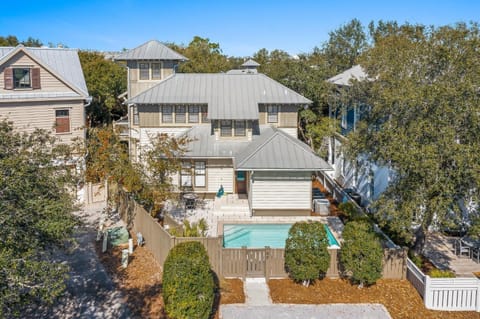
[[445, 293]]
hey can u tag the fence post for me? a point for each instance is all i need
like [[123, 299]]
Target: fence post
[[267, 264], [427, 295], [245, 262], [478, 296]]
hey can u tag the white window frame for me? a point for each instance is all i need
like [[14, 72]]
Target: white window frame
[[272, 113], [160, 71], [183, 114], [167, 117], [193, 114], [186, 174], [200, 171], [135, 115], [222, 126], [243, 130], [21, 82], [140, 69]]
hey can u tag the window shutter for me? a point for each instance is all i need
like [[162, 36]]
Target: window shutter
[[35, 78], [63, 125], [8, 79]]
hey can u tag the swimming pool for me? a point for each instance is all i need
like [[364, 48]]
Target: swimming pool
[[261, 235]]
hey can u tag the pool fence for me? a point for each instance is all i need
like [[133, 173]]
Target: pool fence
[[235, 262]]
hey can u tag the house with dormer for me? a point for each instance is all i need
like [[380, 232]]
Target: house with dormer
[[242, 127], [43, 88]]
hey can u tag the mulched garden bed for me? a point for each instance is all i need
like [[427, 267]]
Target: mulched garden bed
[[141, 282], [398, 296]]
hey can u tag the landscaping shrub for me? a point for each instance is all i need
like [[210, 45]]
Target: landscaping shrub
[[362, 253], [188, 283], [437, 273], [351, 212], [306, 254]]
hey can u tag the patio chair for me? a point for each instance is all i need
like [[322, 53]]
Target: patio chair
[[464, 250]]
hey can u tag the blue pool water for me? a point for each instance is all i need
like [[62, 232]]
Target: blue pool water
[[261, 235]]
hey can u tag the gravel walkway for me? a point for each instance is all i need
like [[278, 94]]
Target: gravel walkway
[[90, 292]]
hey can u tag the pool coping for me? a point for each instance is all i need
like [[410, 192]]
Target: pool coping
[[334, 224]]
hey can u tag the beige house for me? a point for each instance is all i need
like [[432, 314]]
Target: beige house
[[243, 131], [43, 88]]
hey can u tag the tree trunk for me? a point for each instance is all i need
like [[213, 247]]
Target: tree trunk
[[420, 240]]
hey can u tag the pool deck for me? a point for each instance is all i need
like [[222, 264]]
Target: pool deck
[[234, 209]]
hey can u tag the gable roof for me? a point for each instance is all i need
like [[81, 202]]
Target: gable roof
[[63, 63], [354, 73], [234, 96], [150, 50], [276, 150]]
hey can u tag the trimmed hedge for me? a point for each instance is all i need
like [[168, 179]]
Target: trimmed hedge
[[362, 253], [306, 253], [188, 283]]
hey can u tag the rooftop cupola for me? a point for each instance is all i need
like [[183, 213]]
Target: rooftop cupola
[[250, 66]]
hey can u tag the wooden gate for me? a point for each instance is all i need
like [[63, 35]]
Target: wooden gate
[[256, 262]]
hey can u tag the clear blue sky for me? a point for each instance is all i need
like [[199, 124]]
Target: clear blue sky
[[241, 27]]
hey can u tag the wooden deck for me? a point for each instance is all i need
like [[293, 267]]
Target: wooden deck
[[439, 249]]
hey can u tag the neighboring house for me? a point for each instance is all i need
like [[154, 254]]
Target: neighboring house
[[364, 176], [243, 131], [43, 88]]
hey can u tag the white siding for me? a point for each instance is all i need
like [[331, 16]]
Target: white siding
[[280, 190], [289, 130], [220, 172]]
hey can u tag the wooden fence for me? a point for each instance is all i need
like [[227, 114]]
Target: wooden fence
[[461, 294], [236, 262]]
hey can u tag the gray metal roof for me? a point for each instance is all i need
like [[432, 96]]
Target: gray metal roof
[[251, 63], [151, 50], [62, 62], [229, 96], [354, 73], [276, 150], [271, 150], [204, 145]]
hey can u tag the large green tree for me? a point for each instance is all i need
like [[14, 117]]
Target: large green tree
[[423, 121], [11, 40], [203, 56], [35, 218], [106, 80]]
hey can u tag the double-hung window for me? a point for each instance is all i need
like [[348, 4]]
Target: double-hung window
[[167, 116], [22, 78], [193, 112], [239, 128], [205, 114], [225, 128], [156, 71], [62, 121], [200, 174], [144, 71], [272, 113], [180, 114], [186, 174]]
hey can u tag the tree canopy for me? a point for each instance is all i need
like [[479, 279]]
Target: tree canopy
[[423, 121], [106, 80], [35, 218], [11, 40]]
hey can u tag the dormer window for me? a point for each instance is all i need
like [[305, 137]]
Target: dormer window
[[156, 71], [21, 77]]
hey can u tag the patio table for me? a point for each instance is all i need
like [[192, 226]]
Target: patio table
[[190, 199]]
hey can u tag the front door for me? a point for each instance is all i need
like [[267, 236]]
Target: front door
[[241, 182]]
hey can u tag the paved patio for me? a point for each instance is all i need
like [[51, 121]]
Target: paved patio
[[233, 207], [440, 250]]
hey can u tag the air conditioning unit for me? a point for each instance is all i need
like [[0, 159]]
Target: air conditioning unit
[[321, 206]]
